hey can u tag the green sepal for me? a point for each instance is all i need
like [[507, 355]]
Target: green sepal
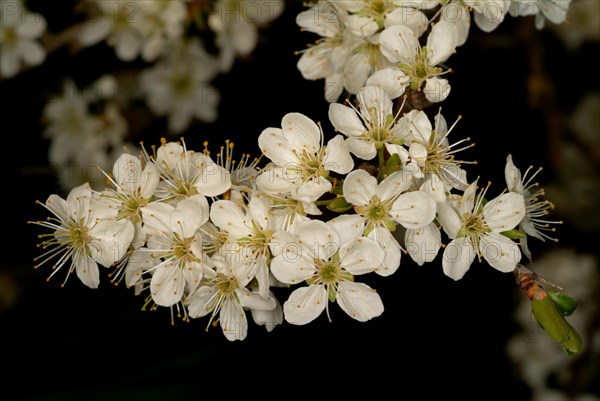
[[339, 205], [392, 165], [564, 303], [331, 294], [338, 189], [514, 234]]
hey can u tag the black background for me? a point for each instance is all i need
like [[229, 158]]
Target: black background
[[436, 338]]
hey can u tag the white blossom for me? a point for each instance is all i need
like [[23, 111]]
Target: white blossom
[[85, 233], [475, 229], [19, 31], [380, 206], [227, 295], [174, 241], [178, 86], [553, 10], [416, 66], [315, 254], [235, 25], [300, 163], [534, 223], [136, 27]]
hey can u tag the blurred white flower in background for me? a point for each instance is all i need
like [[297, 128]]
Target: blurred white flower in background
[[583, 24], [235, 24], [177, 87], [136, 27], [19, 31]]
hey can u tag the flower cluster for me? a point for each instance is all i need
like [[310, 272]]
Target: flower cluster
[[205, 235], [378, 42]]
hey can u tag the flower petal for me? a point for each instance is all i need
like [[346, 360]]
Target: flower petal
[[441, 42], [359, 187], [252, 300], [436, 89], [413, 209], [504, 212], [361, 256], [301, 133], [500, 252], [167, 284], [348, 226], [337, 157], [202, 301], [230, 218], [392, 80], [513, 177], [399, 44], [345, 120], [391, 248], [423, 243], [87, 270], [305, 304], [233, 320], [359, 301], [322, 240], [458, 256], [274, 145], [189, 215]]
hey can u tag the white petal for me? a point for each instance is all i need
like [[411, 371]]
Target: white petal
[[348, 226], [513, 177], [157, 216], [399, 44], [87, 270], [467, 200], [259, 209], [375, 105], [278, 180], [149, 180], [33, 53], [361, 26], [359, 187], [322, 240], [301, 132], [458, 256], [214, 179], [311, 190], [78, 200], [274, 145], [167, 284], [32, 26], [253, 300], [169, 155], [111, 240], [392, 80], [128, 45], [362, 149], [391, 249], [500, 252], [414, 19], [337, 157], [450, 219], [436, 89], [202, 301], [423, 243], [490, 18], [268, 318], [230, 218], [294, 265], [233, 320], [435, 188], [356, 72], [441, 42], [305, 304], [189, 215], [126, 172], [413, 209], [394, 184], [418, 152], [334, 86], [345, 120], [419, 126], [359, 301], [94, 32], [504, 212], [361, 256], [138, 262], [320, 19]]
